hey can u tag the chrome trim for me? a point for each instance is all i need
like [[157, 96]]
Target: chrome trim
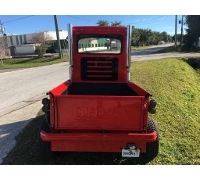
[[70, 44], [128, 50]]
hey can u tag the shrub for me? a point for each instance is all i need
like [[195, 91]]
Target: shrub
[[40, 50]]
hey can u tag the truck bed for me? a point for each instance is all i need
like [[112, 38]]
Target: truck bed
[[103, 107], [119, 89]]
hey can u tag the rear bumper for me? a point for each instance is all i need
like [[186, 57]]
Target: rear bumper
[[97, 142]]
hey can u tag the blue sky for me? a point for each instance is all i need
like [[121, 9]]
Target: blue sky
[[24, 24], [23, 17]]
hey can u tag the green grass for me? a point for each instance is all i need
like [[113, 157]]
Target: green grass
[[31, 62], [175, 86]]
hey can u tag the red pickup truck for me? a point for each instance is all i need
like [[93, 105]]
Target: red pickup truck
[[99, 109]]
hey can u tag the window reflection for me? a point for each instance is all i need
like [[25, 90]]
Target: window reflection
[[99, 45]]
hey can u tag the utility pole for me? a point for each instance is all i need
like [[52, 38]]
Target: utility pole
[[58, 37], [175, 31], [1, 28], [182, 30]]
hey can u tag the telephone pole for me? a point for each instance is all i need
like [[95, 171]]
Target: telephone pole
[[1, 28], [58, 37], [182, 30], [175, 31]]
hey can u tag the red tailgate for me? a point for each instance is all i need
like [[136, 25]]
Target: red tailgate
[[99, 112]]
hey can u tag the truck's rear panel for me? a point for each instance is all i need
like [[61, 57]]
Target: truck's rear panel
[[99, 112]]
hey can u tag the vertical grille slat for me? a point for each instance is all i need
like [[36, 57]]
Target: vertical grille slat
[[99, 69]]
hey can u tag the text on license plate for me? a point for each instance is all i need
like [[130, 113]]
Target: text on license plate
[[130, 152]]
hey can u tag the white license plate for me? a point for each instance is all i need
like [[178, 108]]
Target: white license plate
[[130, 152]]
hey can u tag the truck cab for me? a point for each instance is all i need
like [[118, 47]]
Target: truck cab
[[99, 109]]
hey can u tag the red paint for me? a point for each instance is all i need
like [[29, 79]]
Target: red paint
[[78, 121], [97, 142], [122, 74], [99, 112]]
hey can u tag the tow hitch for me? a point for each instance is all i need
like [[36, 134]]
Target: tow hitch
[[130, 151]]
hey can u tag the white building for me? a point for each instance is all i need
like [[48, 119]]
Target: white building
[[25, 49], [26, 43], [16, 40]]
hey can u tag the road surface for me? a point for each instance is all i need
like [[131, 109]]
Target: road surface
[[19, 87], [148, 53], [150, 50]]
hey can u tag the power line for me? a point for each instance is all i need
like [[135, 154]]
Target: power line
[[157, 23], [80, 18], [95, 21], [17, 19], [148, 20]]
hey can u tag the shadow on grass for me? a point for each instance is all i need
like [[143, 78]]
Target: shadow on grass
[[24, 61], [193, 62], [36, 60], [25, 152]]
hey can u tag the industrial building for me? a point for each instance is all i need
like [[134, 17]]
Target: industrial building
[[26, 43]]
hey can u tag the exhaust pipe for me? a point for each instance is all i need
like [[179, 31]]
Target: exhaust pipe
[[128, 50], [70, 44]]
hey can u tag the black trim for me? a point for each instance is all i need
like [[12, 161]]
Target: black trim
[[110, 89], [105, 68]]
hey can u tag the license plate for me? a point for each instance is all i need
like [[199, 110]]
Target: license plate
[[130, 152]]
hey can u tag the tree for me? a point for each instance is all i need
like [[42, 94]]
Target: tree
[[193, 31], [164, 36], [3, 49], [116, 23], [103, 23], [135, 36], [41, 39], [141, 36]]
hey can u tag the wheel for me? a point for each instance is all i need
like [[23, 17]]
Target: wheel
[[152, 148], [44, 148]]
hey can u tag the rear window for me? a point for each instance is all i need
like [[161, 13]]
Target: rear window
[[111, 44]]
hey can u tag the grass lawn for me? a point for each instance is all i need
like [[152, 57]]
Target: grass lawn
[[175, 86], [31, 62]]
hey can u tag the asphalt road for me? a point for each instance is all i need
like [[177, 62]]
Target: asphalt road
[[148, 53], [150, 50], [22, 91], [20, 87]]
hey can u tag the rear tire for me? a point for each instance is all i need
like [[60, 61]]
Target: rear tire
[[152, 148], [44, 148]]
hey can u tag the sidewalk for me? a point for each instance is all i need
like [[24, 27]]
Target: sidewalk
[[9, 130]]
